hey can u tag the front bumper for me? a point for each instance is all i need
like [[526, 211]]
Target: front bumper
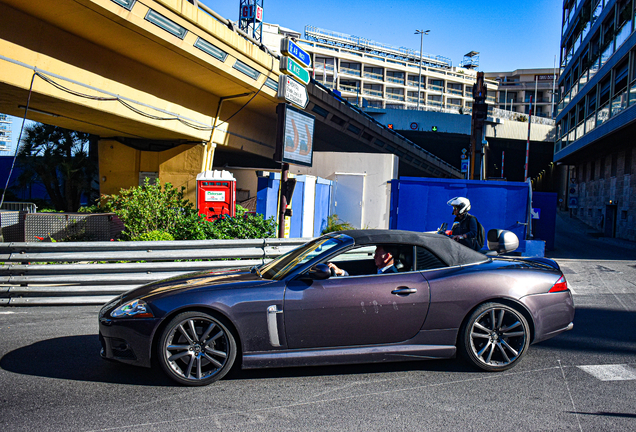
[[127, 340]]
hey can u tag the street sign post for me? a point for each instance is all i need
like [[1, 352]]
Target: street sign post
[[292, 68], [293, 92], [289, 48]]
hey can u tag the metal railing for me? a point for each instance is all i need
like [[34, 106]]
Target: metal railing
[[395, 96], [349, 71], [95, 272], [369, 92], [348, 88], [374, 76], [19, 206], [395, 80]]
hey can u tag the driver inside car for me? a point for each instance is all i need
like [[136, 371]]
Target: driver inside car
[[383, 261]]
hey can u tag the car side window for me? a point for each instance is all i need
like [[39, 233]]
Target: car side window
[[403, 258], [426, 260], [356, 261]]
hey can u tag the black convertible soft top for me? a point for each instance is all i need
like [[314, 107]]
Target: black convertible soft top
[[446, 249]]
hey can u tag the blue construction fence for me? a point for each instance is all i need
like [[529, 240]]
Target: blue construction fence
[[310, 208], [419, 204]]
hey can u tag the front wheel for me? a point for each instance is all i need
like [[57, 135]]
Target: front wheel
[[196, 349], [495, 337]]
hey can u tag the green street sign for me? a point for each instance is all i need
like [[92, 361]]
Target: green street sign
[[290, 67]]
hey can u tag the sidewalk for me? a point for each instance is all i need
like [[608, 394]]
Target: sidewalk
[[574, 239]]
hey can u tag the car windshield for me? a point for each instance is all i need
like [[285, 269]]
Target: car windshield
[[284, 264]]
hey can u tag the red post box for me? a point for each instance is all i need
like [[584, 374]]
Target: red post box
[[216, 194]]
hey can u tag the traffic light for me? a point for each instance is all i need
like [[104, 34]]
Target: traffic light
[[434, 128], [390, 125]]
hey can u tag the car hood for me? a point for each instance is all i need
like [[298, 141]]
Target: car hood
[[210, 279]]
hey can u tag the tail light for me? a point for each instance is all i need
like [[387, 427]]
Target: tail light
[[560, 285]]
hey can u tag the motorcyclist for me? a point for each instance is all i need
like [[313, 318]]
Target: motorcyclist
[[464, 229]]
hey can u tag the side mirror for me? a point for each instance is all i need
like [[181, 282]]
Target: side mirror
[[502, 241], [319, 272]]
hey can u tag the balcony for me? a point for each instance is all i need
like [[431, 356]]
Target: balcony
[[349, 88], [321, 67], [395, 96], [350, 72], [434, 103], [414, 84], [395, 80], [436, 88], [374, 76], [414, 100], [454, 91], [369, 92]]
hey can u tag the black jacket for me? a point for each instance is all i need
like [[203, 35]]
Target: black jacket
[[466, 224]]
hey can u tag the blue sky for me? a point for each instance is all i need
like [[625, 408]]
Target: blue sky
[[509, 35]]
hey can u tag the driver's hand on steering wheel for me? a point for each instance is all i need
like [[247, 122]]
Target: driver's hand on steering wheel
[[335, 270]]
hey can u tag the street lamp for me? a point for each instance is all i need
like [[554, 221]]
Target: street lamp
[[419, 83]]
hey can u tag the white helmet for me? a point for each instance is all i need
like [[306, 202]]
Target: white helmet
[[462, 204]]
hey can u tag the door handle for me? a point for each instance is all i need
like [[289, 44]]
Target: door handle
[[404, 290]]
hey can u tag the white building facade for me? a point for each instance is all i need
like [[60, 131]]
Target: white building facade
[[374, 75]]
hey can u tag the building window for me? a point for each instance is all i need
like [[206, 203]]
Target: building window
[[624, 215], [604, 93], [608, 29], [591, 102]]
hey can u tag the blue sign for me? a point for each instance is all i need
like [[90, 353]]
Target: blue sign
[[289, 48], [536, 213], [464, 165]]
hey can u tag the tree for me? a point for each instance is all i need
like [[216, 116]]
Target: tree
[[59, 159]]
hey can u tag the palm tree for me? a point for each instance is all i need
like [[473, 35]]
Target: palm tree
[[59, 159]]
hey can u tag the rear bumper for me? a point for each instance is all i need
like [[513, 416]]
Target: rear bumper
[[552, 313]]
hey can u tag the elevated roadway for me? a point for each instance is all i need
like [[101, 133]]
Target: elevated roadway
[[169, 87]]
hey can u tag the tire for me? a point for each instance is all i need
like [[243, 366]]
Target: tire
[[196, 349], [494, 337]]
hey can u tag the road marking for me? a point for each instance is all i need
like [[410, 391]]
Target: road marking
[[618, 372]]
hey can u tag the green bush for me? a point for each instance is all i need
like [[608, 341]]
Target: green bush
[[243, 226], [151, 208], [335, 224], [154, 236]]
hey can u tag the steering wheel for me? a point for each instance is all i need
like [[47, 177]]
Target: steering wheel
[[332, 271]]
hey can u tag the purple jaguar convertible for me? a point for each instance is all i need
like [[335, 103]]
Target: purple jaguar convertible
[[436, 299]]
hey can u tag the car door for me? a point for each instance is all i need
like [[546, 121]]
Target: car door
[[355, 310]]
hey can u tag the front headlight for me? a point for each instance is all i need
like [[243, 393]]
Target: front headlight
[[137, 308]]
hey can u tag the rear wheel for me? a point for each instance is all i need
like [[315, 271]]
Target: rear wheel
[[495, 337], [196, 349]]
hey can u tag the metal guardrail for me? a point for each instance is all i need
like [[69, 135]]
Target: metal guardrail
[[95, 272]]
